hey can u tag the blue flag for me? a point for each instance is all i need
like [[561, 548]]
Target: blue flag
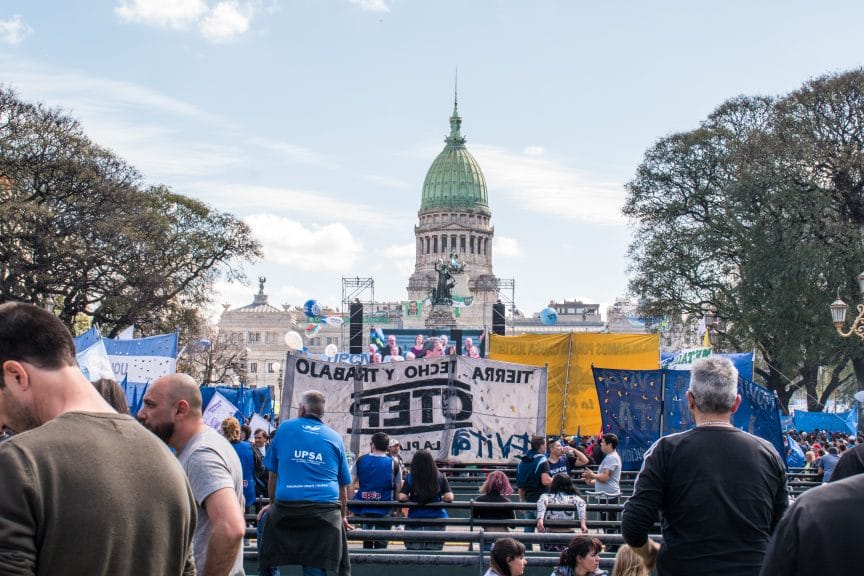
[[795, 457], [376, 337], [142, 360], [92, 357], [832, 422], [248, 401], [758, 414], [631, 404], [630, 408]]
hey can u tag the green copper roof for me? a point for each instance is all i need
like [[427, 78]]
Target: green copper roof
[[454, 181]]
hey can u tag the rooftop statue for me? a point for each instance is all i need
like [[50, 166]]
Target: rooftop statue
[[447, 270]]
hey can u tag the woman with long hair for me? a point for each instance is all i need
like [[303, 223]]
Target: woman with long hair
[[425, 485], [113, 393], [580, 558], [562, 491], [496, 489], [628, 563], [417, 349], [231, 430], [507, 558]]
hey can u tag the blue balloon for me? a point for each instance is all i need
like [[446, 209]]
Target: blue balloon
[[312, 309], [548, 316]]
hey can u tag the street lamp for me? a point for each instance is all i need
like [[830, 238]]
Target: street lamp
[[712, 327], [838, 314]]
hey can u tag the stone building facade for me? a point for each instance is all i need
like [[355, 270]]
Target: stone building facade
[[454, 217], [261, 328]]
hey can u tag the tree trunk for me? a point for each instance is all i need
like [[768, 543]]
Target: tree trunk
[[809, 376]]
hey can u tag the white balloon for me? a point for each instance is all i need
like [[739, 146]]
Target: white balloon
[[293, 340], [331, 350], [334, 320]]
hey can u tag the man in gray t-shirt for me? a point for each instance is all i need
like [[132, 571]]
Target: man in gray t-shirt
[[607, 479], [172, 410], [211, 464]]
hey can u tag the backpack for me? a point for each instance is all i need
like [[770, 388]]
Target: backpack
[[528, 471]]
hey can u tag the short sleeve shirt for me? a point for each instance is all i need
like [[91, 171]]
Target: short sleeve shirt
[[309, 460], [611, 462]]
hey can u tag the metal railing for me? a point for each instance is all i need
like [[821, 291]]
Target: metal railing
[[477, 558]]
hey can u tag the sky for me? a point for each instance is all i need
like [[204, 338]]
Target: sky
[[315, 121]]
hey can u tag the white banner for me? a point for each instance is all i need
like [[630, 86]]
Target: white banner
[[462, 409], [259, 423], [683, 360], [217, 410]]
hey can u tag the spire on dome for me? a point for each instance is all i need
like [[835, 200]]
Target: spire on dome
[[455, 138]]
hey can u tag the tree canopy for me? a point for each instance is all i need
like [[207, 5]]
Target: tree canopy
[[757, 214], [80, 231]]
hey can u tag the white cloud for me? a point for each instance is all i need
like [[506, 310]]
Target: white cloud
[[162, 155], [387, 181], [226, 22], [398, 258], [176, 14], [506, 247], [533, 151], [541, 184], [292, 151], [371, 5], [328, 247], [14, 30], [82, 92], [314, 204]]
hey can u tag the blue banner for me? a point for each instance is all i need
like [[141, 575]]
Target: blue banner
[[677, 416], [758, 414], [248, 401], [87, 339], [795, 456], [139, 361], [832, 422], [631, 403], [630, 408], [743, 362]]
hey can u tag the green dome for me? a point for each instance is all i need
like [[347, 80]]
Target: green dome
[[454, 181]]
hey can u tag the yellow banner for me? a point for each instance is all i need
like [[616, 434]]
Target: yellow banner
[[571, 397]]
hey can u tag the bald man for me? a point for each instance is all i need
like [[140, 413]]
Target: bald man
[[85, 490], [172, 411]]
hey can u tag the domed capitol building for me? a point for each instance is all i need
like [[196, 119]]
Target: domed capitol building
[[454, 222], [454, 218]]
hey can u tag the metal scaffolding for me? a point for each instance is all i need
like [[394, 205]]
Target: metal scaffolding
[[507, 295], [355, 289]]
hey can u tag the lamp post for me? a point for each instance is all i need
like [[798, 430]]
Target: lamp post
[[838, 314], [712, 327]]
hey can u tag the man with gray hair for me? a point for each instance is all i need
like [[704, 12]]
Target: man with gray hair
[[306, 520], [721, 491]]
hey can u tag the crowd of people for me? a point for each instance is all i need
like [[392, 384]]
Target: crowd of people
[[177, 491], [431, 347], [823, 451]]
